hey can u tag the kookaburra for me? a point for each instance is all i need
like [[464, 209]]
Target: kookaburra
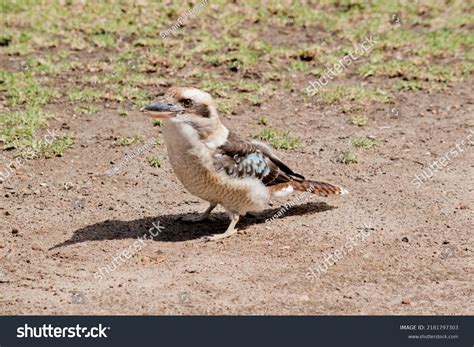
[[216, 165]]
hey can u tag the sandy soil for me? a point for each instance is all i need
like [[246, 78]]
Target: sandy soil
[[63, 218]]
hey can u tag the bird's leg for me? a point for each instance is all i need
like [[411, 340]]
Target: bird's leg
[[231, 230], [202, 216]]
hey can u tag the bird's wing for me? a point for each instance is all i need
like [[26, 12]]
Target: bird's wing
[[240, 159]]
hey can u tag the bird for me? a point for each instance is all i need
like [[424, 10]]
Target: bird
[[219, 166]]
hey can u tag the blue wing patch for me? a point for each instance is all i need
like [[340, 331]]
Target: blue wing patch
[[250, 165]]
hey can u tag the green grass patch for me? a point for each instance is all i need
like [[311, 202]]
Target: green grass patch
[[18, 131], [262, 120], [358, 119], [157, 122], [129, 140], [86, 109], [21, 88], [364, 142], [123, 113], [43, 147], [20, 126], [299, 65], [416, 69], [84, 94], [445, 41], [253, 99], [104, 40], [409, 85], [226, 106], [346, 157], [213, 86], [278, 138], [154, 161]]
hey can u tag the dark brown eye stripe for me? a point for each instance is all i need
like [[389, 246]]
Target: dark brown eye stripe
[[203, 111]]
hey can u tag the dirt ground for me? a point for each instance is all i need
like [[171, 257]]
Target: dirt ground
[[419, 260], [63, 219]]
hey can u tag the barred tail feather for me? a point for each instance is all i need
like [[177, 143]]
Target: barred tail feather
[[318, 188]]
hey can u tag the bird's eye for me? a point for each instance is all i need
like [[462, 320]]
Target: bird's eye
[[187, 103]]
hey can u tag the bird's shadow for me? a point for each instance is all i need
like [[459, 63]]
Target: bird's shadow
[[173, 229]]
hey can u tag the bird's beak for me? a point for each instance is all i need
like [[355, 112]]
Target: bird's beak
[[162, 110]]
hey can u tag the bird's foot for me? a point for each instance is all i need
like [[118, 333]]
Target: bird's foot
[[231, 230], [201, 217], [195, 218], [218, 237]]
